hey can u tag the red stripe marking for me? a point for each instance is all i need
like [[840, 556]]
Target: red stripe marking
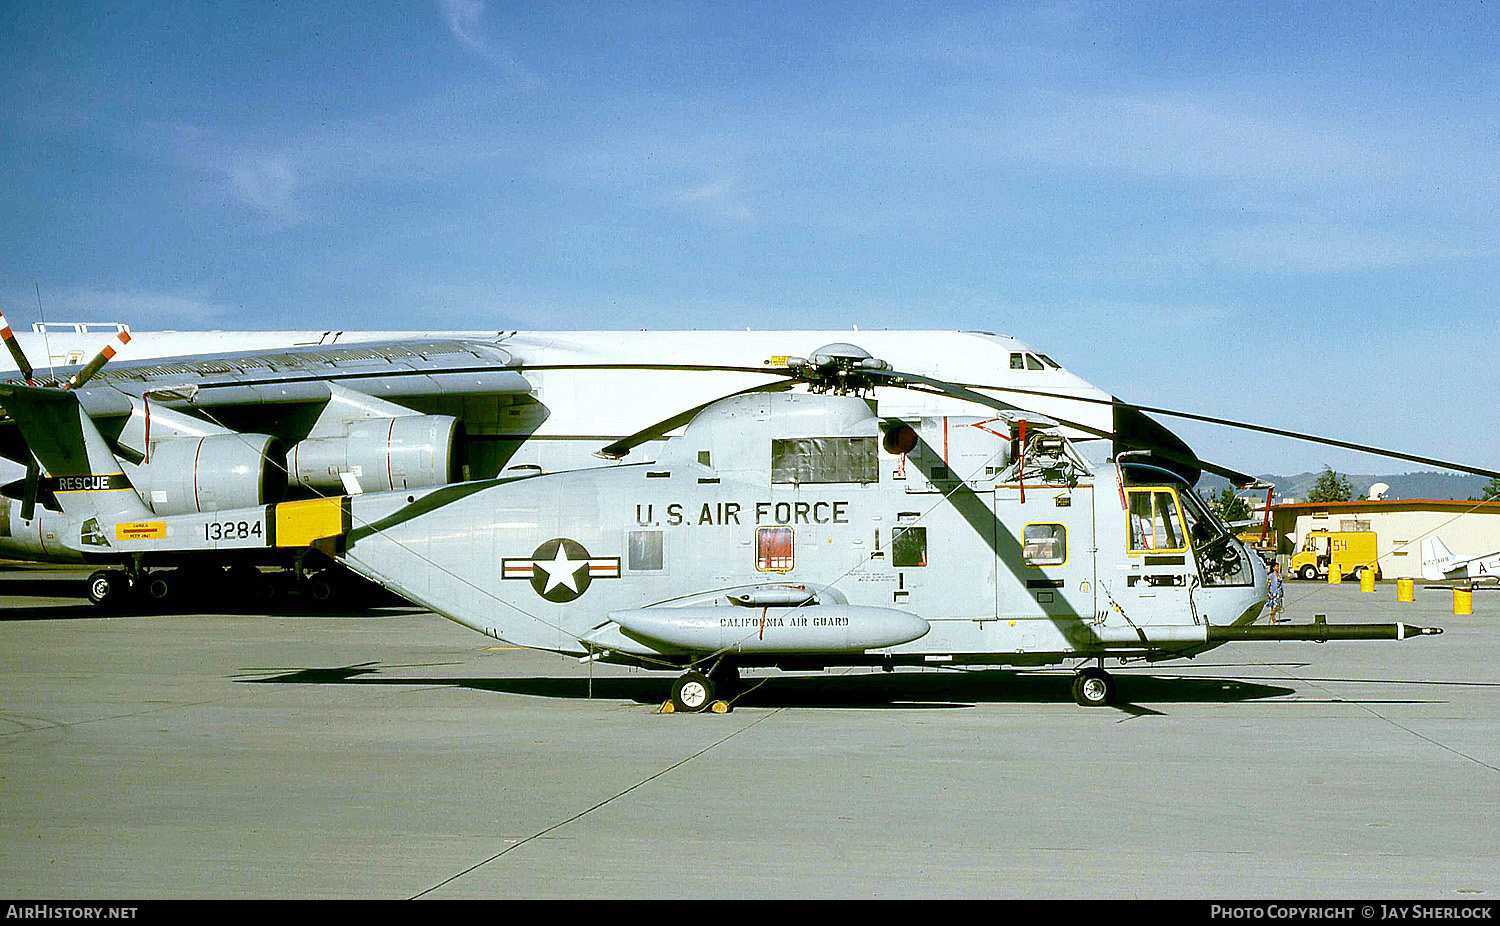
[[196, 454]]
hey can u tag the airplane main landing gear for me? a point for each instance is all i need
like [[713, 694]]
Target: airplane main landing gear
[[1094, 687], [108, 586]]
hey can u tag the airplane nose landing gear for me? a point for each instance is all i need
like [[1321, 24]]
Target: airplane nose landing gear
[[1094, 687]]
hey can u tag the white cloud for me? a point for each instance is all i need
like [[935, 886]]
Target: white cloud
[[267, 185], [465, 22]]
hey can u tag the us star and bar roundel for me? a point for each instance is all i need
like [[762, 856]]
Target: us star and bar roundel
[[561, 569]]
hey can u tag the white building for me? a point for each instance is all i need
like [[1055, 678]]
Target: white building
[[1467, 528]]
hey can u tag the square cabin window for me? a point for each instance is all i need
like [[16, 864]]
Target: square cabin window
[[909, 546], [773, 549], [645, 551], [1044, 545]]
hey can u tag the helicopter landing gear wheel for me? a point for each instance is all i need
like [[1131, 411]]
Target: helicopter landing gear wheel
[[1093, 687], [692, 692]]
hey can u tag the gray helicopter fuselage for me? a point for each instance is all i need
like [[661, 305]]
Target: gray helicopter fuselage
[[780, 526]]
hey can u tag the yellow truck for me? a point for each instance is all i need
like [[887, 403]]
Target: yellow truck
[[1351, 552]]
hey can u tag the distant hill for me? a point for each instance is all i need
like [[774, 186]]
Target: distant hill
[[1403, 485]]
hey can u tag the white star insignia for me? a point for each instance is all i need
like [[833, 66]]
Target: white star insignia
[[561, 571]]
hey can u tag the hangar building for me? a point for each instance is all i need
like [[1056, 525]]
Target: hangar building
[[1467, 528]]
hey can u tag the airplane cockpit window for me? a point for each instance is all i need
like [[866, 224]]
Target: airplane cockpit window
[[804, 460], [1017, 361], [1033, 364], [1050, 362]]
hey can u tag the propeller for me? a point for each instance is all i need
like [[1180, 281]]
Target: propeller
[[31, 486]]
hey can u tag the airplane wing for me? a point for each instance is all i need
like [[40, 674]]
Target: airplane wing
[[238, 428]]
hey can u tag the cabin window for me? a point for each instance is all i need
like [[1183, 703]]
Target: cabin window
[[773, 549], [1044, 544], [909, 546], [1155, 523], [645, 551], [806, 460]]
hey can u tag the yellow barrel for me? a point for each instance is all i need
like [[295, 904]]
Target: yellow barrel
[[1367, 579], [1406, 589], [1463, 600], [1335, 575]]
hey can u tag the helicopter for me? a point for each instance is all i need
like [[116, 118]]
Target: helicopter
[[791, 525]]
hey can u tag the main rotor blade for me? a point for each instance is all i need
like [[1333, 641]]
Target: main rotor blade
[[967, 392], [903, 380], [1263, 429], [664, 427]]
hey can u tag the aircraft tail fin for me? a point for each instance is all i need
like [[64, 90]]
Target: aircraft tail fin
[[1437, 559], [83, 474]]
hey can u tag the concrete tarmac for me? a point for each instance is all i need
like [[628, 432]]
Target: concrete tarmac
[[389, 753]]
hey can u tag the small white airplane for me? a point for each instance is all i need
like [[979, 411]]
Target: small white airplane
[[1439, 563]]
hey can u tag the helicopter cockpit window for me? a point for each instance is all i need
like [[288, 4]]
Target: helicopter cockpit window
[[1155, 523], [1222, 559], [805, 460]]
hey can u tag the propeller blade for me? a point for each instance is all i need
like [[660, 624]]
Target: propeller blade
[[14, 346], [29, 490], [116, 344]]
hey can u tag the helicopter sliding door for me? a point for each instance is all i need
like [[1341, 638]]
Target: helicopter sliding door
[[1045, 566]]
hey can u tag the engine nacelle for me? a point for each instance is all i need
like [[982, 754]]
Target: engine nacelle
[[192, 474], [382, 454]]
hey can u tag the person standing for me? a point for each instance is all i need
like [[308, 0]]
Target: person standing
[[1273, 594]]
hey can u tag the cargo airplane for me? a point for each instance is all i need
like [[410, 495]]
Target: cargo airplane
[[207, 421]]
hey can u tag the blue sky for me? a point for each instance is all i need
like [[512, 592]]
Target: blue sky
[[1280, 213]]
